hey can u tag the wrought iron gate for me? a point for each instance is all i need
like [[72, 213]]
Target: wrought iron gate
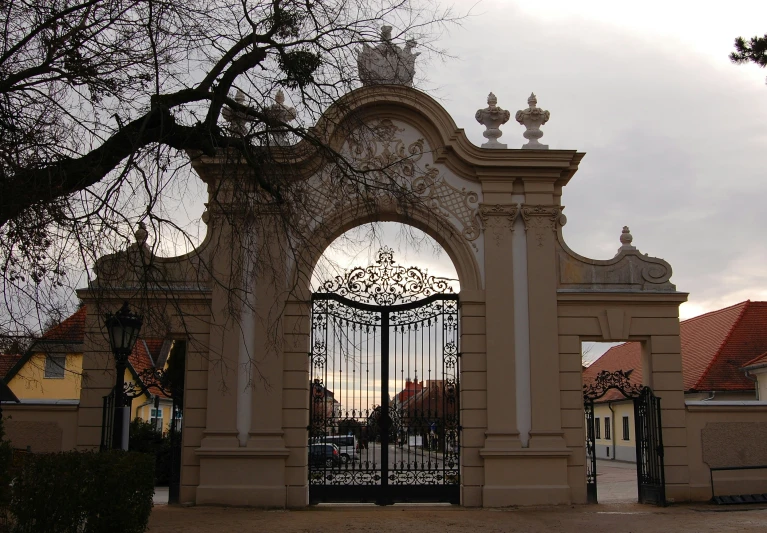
[[649, 445], [647, 430], [384, 387]]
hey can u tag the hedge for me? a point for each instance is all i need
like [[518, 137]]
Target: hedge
[[83, 492]]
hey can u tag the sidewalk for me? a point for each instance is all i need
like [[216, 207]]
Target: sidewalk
[[616, 518]]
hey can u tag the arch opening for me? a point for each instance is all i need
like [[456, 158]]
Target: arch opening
[[384, 374]]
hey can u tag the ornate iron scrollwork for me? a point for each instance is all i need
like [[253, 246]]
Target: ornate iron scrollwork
[[606, 380], [386, 283]]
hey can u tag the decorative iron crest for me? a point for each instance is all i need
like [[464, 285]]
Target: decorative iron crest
[[386, 283], [606, 380]]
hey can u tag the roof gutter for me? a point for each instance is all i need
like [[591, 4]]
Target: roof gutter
[[753, 378]]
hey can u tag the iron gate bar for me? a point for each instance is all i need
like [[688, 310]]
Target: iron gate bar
[[357, 482]]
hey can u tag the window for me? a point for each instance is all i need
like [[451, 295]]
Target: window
[[599, 431], [607, 427], [54, 366], [626, 428], [156, 419]]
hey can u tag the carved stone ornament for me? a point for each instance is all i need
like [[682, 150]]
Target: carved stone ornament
[[532, 119], [629, 270], [236, 119], [381, 152], [542, 219], [498, 218], [279, 112], [626, 239], [447, 200], [387, 63], [492, 117], [386, 282]]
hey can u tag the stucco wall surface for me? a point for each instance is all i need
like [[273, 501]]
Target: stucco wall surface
[[42, 428], [727, 436]]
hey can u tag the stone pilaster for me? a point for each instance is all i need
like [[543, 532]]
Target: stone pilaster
[[498, 221], [502, 434], [541, 224]]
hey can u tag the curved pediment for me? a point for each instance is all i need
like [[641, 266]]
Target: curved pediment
[[629, 270]]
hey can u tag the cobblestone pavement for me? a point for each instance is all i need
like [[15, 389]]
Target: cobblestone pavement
[[614, 518]]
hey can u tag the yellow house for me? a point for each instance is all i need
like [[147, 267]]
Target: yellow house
[[50, 372]]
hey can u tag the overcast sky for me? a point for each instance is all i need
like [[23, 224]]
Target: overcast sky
[[675, 135]]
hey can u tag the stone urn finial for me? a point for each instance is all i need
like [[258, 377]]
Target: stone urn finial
[[278, 111], [626, 239], [492, 117], [532, 119], [141, 235], [236, 119]]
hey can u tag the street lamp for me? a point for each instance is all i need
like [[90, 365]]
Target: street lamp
[[123, 328]]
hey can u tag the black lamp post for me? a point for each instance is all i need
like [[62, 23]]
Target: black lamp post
[[123, 328]]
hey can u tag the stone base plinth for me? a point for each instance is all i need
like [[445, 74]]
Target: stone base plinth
[[525, 477], [242, 476]]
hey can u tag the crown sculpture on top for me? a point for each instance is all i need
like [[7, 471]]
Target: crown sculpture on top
[[492, 117], [532, 119], [387, 63]]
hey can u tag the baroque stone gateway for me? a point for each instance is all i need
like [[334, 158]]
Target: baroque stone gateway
[[526, 303]]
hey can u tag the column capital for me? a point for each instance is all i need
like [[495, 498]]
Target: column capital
[[541, 218], [498, 217]]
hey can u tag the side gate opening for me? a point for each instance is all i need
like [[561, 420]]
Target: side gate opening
[[384, 391], [651, 484]]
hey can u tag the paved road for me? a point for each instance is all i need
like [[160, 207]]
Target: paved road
[[615, 518], [616, 482]]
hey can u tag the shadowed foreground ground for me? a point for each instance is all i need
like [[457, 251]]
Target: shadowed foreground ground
[[633, 518]]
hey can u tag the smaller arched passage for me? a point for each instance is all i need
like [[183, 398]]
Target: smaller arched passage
[[430, 469], [647, 430]]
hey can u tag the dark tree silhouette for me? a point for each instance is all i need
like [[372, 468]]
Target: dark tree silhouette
[[103, 103]]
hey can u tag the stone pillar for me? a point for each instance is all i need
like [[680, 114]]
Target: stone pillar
[[541, 224], [220, 438], [502, 435], [473, 395], [295, 402], [662, 371], [542, 476], [265, 439]]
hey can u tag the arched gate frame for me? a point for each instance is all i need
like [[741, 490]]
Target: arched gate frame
[[375, 332], [648, 430]]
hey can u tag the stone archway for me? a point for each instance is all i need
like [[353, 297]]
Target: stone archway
[[526, 303]]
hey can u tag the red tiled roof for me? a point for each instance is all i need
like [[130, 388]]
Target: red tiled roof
[[140, 358], [8, 361], [72, 329], [715, 346], [759, 360]]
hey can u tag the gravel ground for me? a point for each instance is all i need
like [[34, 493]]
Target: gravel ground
[[616, 518]]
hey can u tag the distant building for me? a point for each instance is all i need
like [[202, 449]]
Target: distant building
[[50, 372]]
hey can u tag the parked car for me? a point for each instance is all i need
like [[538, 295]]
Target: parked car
[[347, 446], [324, 454]]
